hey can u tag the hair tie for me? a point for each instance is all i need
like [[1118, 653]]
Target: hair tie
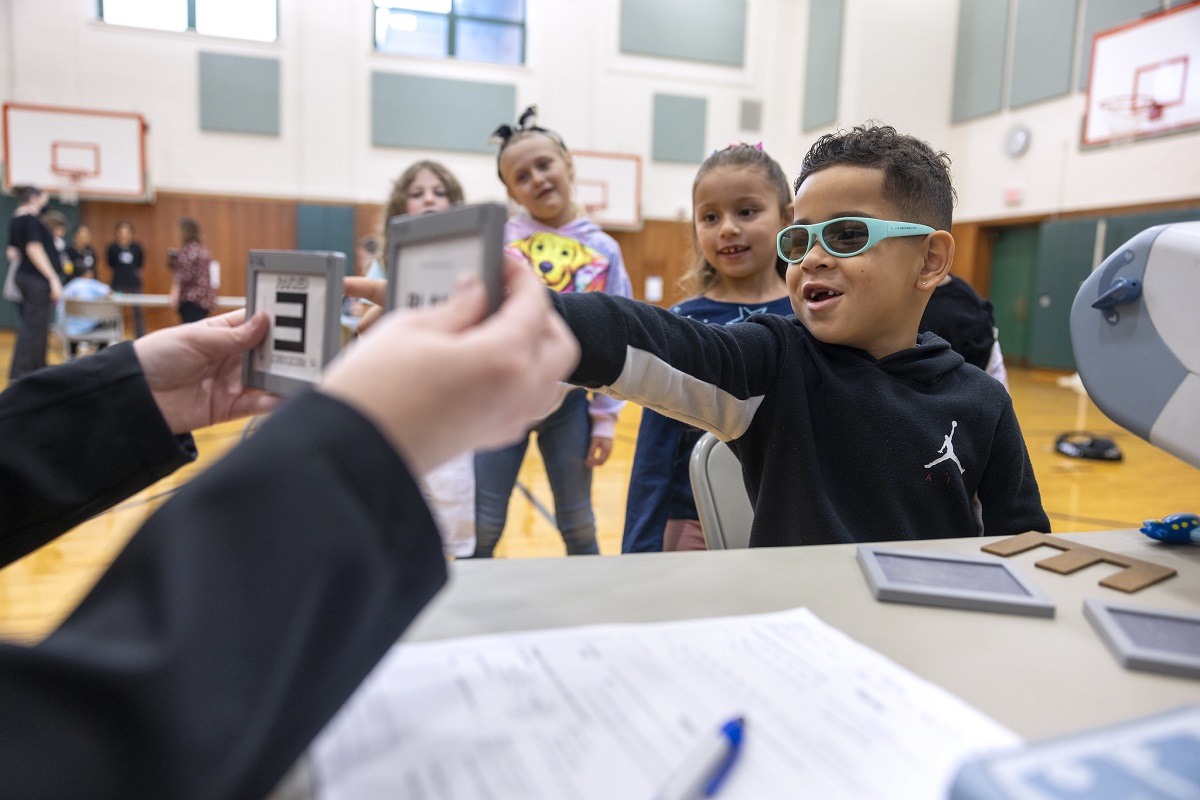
[[526, 122]]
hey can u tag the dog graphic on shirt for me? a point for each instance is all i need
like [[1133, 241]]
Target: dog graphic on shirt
[[947, 449], [563, 264]]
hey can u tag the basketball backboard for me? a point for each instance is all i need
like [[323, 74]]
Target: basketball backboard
[[1143, 80], [91, 154], [609, 188]]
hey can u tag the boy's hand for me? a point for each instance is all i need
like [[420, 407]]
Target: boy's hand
[[371, 289]]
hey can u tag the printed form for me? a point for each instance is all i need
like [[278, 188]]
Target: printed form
[[609, 711]]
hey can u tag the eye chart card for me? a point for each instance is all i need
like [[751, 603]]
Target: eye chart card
[[427, 253], [302, 294]]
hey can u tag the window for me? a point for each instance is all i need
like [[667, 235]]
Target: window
[[475, 30], [257, 20]]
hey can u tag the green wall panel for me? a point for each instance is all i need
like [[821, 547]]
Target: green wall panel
[[326, 228], [823, 63], [239, 94], [1041, 66], [680, 125], [979, 58], [414, 111], [712, 31]]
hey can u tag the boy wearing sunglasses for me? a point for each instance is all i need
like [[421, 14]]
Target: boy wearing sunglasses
[[849, 426]]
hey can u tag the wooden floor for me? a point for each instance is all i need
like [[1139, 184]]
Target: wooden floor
[[38, 591]]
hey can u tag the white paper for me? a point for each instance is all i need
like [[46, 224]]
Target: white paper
[[609, 711]]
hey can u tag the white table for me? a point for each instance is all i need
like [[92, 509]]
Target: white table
[[1039, 677], [164, 300]]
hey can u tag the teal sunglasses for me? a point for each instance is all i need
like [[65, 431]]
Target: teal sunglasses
[[842, 237]]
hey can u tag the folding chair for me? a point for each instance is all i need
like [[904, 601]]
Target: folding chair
[[724, 508], [109, 329]]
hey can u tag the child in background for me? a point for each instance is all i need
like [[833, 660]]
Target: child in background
[[83, 287], [572, 256], [427, 187], [80, 253], [964, 319], [850, 427], [55, 223], [740, 201], [368, 266]]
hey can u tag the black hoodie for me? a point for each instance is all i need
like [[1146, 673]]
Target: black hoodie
[[835, 445]]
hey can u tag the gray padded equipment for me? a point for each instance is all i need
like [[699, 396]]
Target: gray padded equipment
[[1135, 331]]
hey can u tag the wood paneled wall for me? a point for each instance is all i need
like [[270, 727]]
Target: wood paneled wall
[[662, 248], [973, 255], [229, 227]]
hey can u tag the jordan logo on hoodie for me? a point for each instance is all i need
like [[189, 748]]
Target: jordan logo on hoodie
[[947, 449]]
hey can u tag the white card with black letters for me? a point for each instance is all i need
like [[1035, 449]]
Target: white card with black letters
[[301, 293], [427, 253], [295, 340], [425, 270]]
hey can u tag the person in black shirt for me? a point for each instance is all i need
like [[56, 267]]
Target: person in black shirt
[[125, 259], [37, 279]]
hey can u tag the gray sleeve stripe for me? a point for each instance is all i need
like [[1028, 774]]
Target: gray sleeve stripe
[[694, 401]]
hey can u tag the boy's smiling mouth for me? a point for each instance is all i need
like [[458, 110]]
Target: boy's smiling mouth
[[818, 296]]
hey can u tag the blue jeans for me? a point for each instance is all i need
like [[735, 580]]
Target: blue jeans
[[563, 438]]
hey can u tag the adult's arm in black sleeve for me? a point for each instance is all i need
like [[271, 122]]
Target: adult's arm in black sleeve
[[233, 626], [77, 439]]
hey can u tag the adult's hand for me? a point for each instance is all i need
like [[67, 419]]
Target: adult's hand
[[195, 370], [450, 378]]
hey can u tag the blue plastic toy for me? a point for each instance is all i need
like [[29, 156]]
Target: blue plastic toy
[[1176, 529]]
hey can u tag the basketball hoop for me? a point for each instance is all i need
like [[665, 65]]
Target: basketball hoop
[[69, 191], [1127, 113]]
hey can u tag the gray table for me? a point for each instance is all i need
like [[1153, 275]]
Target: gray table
[[164, 300], [1039, 677]]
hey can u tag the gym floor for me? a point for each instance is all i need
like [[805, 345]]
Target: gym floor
[[1079, 495]]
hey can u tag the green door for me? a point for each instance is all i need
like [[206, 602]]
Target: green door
[[1122, 229], [1066, 251], [1014, 257], [321, 227]]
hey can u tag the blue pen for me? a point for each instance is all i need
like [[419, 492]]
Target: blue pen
[[706, 768]]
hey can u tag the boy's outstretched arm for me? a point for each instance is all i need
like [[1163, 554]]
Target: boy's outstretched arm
[[710, 377]]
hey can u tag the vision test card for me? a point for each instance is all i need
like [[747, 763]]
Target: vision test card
[[301, 291], [427, 253]]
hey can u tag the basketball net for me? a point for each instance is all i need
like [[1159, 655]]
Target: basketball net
[[1126, 115], [69, 191]]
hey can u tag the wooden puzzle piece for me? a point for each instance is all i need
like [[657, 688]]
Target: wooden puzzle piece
[[1136, 575]]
